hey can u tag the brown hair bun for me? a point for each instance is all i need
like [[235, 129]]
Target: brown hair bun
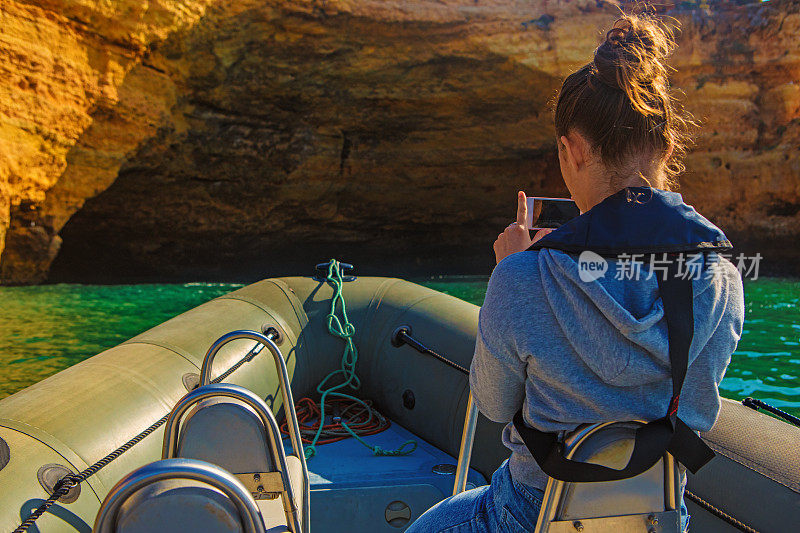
[[622, 103], [632, 59]]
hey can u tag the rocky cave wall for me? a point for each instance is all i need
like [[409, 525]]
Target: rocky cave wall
[[234, 138]]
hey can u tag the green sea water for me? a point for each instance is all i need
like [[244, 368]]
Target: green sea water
[[44, 329]]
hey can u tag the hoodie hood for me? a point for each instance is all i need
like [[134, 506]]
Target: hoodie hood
[[616, 321], [618, 326]]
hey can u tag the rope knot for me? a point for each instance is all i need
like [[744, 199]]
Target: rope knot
[[65, 484], [310, 452]]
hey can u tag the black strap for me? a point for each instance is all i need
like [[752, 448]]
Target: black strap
[[676, 297], [652, 440]]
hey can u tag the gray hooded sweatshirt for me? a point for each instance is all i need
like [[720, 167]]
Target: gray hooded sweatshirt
[[571, 351]]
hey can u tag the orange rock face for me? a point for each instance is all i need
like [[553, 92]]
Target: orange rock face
[[231, 138], [76, 100]]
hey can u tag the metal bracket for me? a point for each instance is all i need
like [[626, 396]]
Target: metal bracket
[[274, 332], [663, 522], [322, 271], [262, 485]]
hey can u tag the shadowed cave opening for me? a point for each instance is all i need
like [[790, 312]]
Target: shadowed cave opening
[[148, 227]]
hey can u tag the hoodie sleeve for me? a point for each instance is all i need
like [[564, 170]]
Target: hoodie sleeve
[[497, 373]]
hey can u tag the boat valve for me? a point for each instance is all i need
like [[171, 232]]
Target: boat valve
[[273, 333]]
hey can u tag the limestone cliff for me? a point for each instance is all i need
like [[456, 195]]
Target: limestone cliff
[[220, 138]]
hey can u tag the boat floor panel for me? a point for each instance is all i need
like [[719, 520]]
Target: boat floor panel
[[348, 463], [353, 490]]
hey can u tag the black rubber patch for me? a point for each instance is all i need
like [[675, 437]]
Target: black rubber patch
[[191, 380], [5, 453], [408, 399]]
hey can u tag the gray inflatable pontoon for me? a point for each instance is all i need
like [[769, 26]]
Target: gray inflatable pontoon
[[71, 420]]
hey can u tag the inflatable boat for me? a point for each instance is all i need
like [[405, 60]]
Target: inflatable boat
[[178, 429]]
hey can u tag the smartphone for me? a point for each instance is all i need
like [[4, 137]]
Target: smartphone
[[546, 213]]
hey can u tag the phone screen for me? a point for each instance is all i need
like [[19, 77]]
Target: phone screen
[[550, 212]]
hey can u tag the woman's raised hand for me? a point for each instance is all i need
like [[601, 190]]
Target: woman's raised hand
[[516, 237]]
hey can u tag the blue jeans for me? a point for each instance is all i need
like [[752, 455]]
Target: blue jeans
[[504, 506]]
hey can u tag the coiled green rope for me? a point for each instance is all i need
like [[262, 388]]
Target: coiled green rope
[[345, 330]]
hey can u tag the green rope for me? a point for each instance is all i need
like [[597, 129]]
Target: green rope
[[345, 330]]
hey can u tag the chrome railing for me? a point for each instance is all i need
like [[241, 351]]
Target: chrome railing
[[191, 469], [555, 489], [268, 341], [272, 433], [465, 450]]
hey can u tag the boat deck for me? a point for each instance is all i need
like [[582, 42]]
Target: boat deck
[[350, 483]]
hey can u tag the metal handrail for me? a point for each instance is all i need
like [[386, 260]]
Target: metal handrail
[[216, 346], [192, 469], [286, 395], [465, 450], [555, 488], [170, 447]]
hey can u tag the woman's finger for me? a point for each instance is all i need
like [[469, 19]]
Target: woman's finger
[[541, 233], [522, 209]]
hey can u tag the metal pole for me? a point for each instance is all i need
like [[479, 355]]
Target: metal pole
[[286, 395], [465, 451]]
